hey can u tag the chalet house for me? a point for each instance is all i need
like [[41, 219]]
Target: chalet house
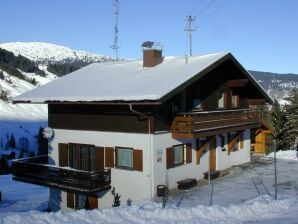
[[128, 126]]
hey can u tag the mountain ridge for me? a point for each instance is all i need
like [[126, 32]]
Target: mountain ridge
[[42, 52]]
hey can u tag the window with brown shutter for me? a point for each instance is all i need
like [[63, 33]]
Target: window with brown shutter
[[170, 158], [109, 157], [98, 160], [63, 154], [70, 200], [178, 155], [138, 160], [188, 154]]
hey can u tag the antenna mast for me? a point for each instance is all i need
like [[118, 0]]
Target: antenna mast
[[190, 19], [115, 45]]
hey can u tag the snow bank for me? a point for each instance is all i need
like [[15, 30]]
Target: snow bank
[[288, 154], [260, 208]]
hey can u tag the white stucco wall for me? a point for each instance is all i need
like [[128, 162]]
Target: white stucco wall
[[223, 160], [128, 183], [162, 175], [142, 185]]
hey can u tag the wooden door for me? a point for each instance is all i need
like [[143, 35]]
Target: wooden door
[[212, 150]]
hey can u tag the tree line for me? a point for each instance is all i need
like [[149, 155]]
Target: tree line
[[11, 63], [284, 119]]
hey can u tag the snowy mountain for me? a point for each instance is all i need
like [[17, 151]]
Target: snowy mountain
[[278, 86], [48, 53], [24, 66]]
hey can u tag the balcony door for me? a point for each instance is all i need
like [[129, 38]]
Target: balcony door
[[85, 157]]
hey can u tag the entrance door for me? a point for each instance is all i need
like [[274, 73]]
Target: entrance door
[[212, 150]]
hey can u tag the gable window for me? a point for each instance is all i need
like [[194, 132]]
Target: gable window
[[235, 101], [222, 100], [197, 104], [176, 103], [124, 157]]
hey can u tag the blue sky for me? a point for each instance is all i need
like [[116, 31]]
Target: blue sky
[[262, 34]]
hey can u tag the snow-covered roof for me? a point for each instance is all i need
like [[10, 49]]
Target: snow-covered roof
[[122, 81]]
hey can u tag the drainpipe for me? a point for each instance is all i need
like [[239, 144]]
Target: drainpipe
[[142, 115], [137, 112]]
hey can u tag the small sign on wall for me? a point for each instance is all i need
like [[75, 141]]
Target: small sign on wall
[[159, 155]]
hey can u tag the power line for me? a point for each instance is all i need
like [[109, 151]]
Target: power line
[[206, 7], [195, 7], [215, 11]]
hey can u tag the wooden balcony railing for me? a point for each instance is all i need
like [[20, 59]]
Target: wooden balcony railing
[[202, 124], [36, 170]]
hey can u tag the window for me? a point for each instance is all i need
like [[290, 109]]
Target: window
[[197, 103], [124, 157], [81, 157], [221, 100], [178, 155], [235, 101], [176, 103], [178, 152]]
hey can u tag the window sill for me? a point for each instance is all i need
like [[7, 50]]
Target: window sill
[[124, 168], [178, 165]]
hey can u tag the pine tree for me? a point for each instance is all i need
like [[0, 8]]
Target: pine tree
[[1, 143], [4, 167], [12, 142], [278, 120], [24, 144], [291, 125]]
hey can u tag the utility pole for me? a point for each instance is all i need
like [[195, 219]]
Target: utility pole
[[115, 45], [275, 171], [190, 19]]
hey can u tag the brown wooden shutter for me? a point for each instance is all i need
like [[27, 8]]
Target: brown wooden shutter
[[188, 154], [70, 200], [63, 154], [170, 158], [93, 202], [138, 160], [109, 157], [98, 158]]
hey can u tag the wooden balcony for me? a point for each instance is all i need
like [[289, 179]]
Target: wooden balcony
[[36, 170], [203, 124]]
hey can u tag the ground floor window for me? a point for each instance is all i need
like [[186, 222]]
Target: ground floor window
[[178, 153], [124, 157]]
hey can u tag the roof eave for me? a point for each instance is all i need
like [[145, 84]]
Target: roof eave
[[118, 102]]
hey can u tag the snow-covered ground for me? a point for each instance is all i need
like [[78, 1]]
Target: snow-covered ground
[[244, 196], [289, 154], [21, 120]]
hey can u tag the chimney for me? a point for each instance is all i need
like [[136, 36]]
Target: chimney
[[152, 54]]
